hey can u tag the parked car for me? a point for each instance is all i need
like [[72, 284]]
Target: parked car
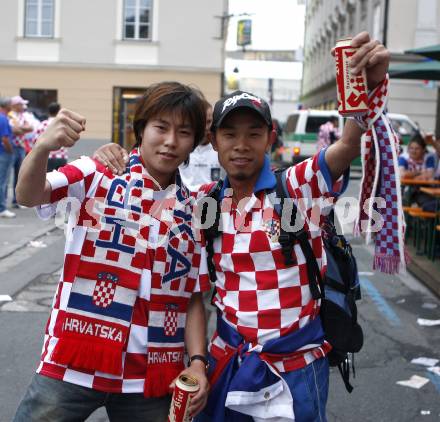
[[302, 126]]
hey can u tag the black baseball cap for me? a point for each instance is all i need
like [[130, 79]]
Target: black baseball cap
[[240, 99]]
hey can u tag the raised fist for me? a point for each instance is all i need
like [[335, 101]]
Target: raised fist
[[63, 131]]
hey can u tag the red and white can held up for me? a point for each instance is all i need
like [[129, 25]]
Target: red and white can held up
[[351, 89], [186, 387]]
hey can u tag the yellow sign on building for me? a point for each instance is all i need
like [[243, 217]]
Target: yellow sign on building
[[244, 32]]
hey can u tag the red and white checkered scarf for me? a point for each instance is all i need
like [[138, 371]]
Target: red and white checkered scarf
[[381, 212], [107, 276]]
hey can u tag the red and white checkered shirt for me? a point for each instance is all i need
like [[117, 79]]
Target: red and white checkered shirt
[[59, 153], [81, 180], [257, 294], [20, 119]]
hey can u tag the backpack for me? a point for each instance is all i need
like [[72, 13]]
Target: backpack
[[338, 290]]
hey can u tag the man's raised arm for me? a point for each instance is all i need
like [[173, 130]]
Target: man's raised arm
[[375, 58], [32, 187]]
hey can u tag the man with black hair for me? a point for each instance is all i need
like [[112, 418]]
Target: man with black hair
[[202, 166], [129, 301]]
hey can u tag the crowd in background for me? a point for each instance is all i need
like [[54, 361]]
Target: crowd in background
[[19, 130]]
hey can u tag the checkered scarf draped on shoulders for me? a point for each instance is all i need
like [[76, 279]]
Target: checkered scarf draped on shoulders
[[107, 277], [381, 212]]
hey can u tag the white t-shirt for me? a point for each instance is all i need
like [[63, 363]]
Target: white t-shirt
[[203, 167]]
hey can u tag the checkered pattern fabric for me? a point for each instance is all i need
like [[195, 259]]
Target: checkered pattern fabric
[[104, 292], [257, 294], [82, 180], [389, 252], [170, 323], [377, 100], [381, 180], [18, 119], [368, 182], [41, 128]]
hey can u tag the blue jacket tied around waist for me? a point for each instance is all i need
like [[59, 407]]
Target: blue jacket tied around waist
[[249, 388]]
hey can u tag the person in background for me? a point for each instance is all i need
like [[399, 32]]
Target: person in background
[[29, 138], [430, 203], [418, 164], [21, 126], [6, 156], [202, 166], [430, 139], [328, 133], [275, 149], [57, 158]]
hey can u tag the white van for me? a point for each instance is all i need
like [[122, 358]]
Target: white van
[[301, 133], [302, 127]]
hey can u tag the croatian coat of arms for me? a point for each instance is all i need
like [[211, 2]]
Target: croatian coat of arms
[[105, 289], [170, 322], [272, 228]]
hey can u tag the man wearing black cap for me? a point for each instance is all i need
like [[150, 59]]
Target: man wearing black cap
[[268, 354]]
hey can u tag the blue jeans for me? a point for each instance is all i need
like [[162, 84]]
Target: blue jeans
[[5, 168], [52, 400], [19, 155], [309, 389]]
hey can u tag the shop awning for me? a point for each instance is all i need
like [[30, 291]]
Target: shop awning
[[427, 70], [433, 51]]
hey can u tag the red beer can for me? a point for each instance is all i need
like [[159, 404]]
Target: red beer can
[[186, 387], [351, 89]]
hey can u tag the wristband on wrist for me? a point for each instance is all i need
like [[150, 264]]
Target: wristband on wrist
[[199, 357]]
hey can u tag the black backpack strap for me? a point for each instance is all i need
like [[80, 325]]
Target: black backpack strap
[[287, 238], [344, 370], [212, 232]]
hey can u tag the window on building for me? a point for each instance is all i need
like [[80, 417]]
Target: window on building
[[364, 9], [39, 100], [351, 17], [137, 19], [342, 30], [39, 18], [377, 24]]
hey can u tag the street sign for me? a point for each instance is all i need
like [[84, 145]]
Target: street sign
[[244, 32]]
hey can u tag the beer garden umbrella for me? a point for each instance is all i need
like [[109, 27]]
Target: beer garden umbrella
[[432, 52], [425, 70]]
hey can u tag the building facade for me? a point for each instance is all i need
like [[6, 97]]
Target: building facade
[[96, 57], [400, 24]]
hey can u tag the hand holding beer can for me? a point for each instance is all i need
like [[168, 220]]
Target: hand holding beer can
[[351, 89], [186, 388]]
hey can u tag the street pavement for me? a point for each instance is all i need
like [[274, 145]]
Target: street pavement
[[388, 313]]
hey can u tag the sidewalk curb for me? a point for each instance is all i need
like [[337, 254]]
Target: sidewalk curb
[[45, 261], [424, 270], [39, 233], [425, 277]]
